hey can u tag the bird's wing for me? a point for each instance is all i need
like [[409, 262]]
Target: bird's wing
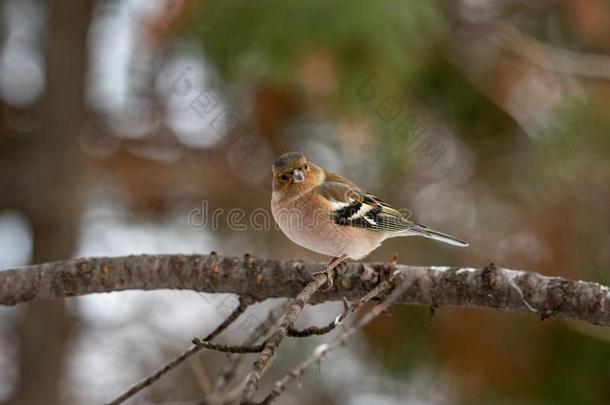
[[350, 206]]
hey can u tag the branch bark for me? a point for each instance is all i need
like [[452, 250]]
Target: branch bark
[[489, 287]]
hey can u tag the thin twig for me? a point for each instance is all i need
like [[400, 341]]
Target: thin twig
[[241, 308], [229, 372], [348, 308], [319, 352], [271, 344], [323, 330], [204, 344]]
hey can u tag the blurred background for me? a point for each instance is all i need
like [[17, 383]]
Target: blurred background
[[125, 124]]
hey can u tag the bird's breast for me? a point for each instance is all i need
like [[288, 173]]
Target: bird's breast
[[310, 225]]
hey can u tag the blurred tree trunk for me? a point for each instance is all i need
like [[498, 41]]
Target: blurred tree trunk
[[51, 171]]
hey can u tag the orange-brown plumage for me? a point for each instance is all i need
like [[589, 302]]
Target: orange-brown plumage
[[329, 214]]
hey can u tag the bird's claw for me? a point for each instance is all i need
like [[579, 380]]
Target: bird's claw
[[329, 271]]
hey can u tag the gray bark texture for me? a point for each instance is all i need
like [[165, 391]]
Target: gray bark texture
[[489, 287]]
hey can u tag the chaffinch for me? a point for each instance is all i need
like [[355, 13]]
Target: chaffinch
[[329, 214]]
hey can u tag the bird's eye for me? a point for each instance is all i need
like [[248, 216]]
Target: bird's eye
[[306, 167], [284, 177]]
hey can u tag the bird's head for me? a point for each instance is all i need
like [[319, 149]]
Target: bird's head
[[293, 175]]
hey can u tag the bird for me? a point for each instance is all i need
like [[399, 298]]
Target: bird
[[331, 215]]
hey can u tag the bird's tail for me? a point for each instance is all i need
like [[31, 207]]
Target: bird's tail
[[426, 232]]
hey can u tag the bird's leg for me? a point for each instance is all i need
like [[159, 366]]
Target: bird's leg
[[389, 267], [329, 270], [386, 272]]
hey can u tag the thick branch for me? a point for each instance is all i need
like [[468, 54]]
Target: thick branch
[[491, 287]]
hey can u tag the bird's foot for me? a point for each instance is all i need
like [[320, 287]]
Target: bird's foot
[[329, 271], [389, 267]]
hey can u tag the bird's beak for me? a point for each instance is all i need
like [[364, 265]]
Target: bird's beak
[[298, 176]]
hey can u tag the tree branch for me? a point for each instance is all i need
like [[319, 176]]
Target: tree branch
[[271, 344], [490, 287], [323, 330], [229, 372], [323, 349], [197, 346]]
